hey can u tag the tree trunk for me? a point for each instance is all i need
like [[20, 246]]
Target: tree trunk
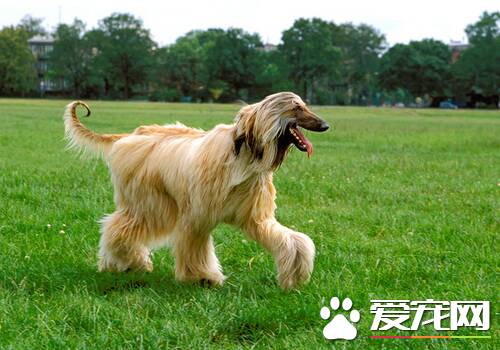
[[106, 86], [126, 88]]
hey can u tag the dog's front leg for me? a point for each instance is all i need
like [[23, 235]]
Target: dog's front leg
[[292, 250]]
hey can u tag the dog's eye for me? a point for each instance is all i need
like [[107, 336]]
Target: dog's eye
[[298, 108]]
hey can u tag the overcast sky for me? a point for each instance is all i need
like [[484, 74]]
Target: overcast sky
[[401, 21]]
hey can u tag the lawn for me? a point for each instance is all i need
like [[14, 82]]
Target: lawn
[[401, 204]]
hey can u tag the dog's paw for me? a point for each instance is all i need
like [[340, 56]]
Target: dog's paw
[[109, 265], [113, 264], [207, 279], [296, 261], [205, 282], [213, 279]]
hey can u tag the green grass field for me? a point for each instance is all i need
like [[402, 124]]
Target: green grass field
[[401, 204]]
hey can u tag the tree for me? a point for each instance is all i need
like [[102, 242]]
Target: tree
[[273, 74], [17, 64], [124, 54], [232, 61], [71, 56], [421, 67], [486, 29], [32, 26], [183, 60], [310, 54], [212, 64], [361, 47], [179, 69], [477, 71]]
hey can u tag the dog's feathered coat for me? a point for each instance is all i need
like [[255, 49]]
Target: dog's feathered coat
[[177, 183]]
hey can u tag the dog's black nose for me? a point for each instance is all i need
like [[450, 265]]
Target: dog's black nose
[[324, 126]]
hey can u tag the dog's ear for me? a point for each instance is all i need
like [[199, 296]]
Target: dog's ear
[[239, 140], [245, 132]]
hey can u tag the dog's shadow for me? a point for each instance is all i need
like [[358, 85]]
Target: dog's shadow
[[48, 280], [84, 281]]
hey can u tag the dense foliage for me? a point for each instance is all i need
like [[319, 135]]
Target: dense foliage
[[479, 67], [17, 64], [326, 63], [421, 67]]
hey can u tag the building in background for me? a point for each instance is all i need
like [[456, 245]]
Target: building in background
[[41, 46], [269, 47], [456, 48]]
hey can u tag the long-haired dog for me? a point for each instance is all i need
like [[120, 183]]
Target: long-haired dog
[[174, 183]]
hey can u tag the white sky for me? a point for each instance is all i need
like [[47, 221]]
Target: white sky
[[400, 21]]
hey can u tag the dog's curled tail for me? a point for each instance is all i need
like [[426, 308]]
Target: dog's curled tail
[[84, 139]]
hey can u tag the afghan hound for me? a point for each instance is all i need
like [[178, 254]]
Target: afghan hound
[[174, 184]]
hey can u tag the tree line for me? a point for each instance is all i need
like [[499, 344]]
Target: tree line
[[325, 62]]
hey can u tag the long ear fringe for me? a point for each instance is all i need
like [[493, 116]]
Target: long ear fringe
[[245, 132]]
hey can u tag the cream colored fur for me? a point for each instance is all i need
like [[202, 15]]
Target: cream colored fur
[[174, 183]]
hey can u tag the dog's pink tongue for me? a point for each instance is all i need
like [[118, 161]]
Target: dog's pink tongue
[[309, 147], [305, 141]]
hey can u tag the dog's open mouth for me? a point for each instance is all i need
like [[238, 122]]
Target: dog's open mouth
[[299, 140]]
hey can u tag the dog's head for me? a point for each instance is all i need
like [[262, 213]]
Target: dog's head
[[268, 128]]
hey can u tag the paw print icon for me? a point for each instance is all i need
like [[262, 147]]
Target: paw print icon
[[340, 326]]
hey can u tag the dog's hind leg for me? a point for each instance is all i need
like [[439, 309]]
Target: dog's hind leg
[[195, 258], [123, 244]]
